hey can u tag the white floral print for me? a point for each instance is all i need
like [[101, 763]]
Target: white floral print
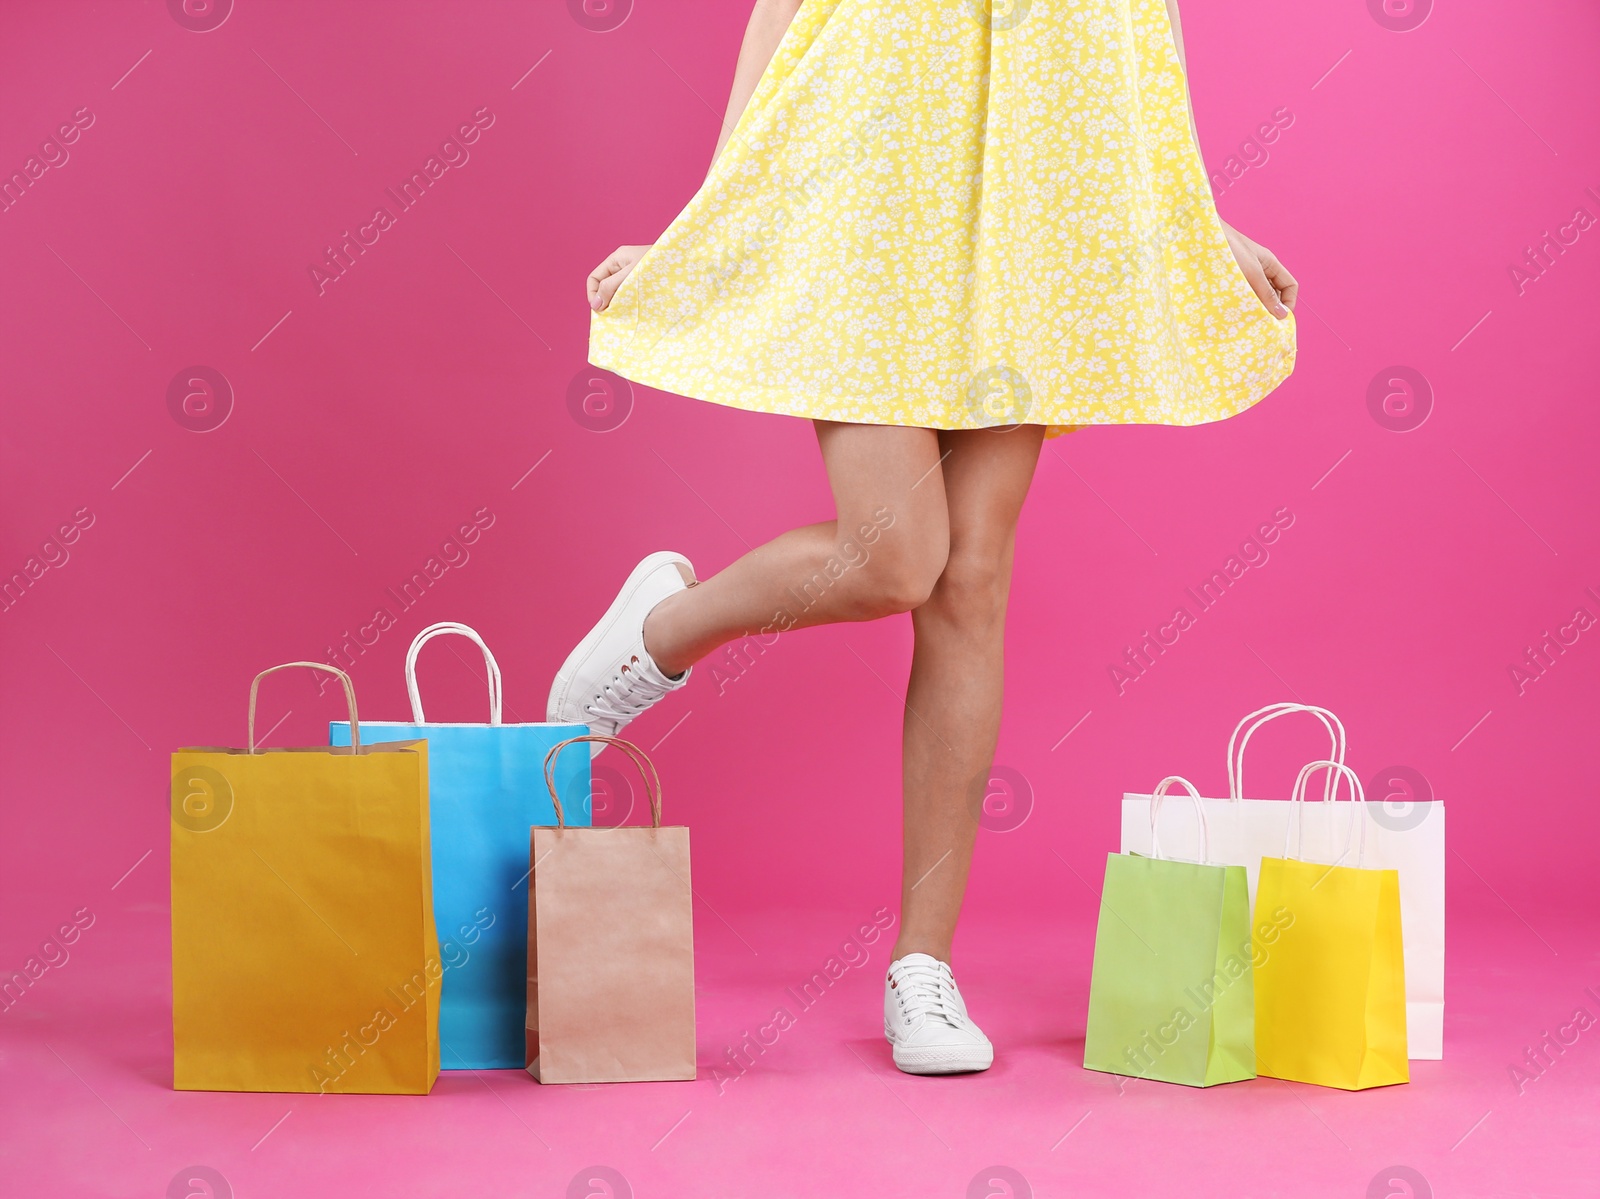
[[956, 214]]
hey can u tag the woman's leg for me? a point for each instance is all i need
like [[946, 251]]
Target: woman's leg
[[945, 534], [952, 719], [880, 555]]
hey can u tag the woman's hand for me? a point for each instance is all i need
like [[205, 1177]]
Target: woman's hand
[[608, 276], [1271, 280]]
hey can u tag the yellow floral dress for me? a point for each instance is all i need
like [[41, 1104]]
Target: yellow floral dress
[[956, 214]]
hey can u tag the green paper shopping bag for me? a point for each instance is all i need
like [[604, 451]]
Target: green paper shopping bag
[[1331, 978], [1171, 996]]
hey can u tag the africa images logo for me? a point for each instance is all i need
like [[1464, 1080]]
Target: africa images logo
[[1000, 395]]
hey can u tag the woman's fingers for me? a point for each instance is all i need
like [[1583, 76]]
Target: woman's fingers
[[1262, 270], [598, 296], [1278, 275], [609, 285], [1254, 272], [610, 275]]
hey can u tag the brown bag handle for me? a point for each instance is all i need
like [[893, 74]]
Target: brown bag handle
[[647, 771], [349, 699]]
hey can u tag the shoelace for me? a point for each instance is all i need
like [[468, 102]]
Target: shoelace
[[928, 991], [627, 695]]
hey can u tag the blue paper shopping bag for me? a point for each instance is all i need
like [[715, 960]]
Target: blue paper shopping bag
[[486, 789]]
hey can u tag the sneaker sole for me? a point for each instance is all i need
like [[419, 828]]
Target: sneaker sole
[[559, 690], [942, 1061], [954, 1059]]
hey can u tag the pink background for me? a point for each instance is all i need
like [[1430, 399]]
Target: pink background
[[423, 386]]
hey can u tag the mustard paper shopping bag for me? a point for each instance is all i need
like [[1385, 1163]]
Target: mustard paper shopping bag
[[303, 949], [610, 945], [1330, 970]]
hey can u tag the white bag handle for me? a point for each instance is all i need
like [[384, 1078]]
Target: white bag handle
[[460, 630], [1271, 712], [1158, 795], [1358, 804]]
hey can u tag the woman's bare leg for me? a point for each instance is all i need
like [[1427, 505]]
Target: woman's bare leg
[[880, 555], [942, 538], [952, 719]]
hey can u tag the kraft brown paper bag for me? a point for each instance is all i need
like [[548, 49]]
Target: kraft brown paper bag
[[610, 945], [304, 956]]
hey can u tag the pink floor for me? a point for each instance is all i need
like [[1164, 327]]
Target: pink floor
[[88, 1110]]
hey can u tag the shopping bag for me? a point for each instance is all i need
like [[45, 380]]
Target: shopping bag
[[486, 787], [610, 945], [1170, 997], [1330, 962], [1402, 835], [303, 949]]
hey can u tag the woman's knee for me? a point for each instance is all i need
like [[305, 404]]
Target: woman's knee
[[974, 584], [898, 570]]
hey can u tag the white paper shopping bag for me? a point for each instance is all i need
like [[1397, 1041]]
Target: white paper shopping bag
[[1408, 838]]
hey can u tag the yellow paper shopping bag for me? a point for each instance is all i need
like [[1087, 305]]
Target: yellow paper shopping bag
[[303, 949], [1329, 972]]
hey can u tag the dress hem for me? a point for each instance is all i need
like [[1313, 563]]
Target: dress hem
[[782, 402]]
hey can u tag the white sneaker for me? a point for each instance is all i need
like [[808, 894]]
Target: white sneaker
[[926, 1020], [610, 678]]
